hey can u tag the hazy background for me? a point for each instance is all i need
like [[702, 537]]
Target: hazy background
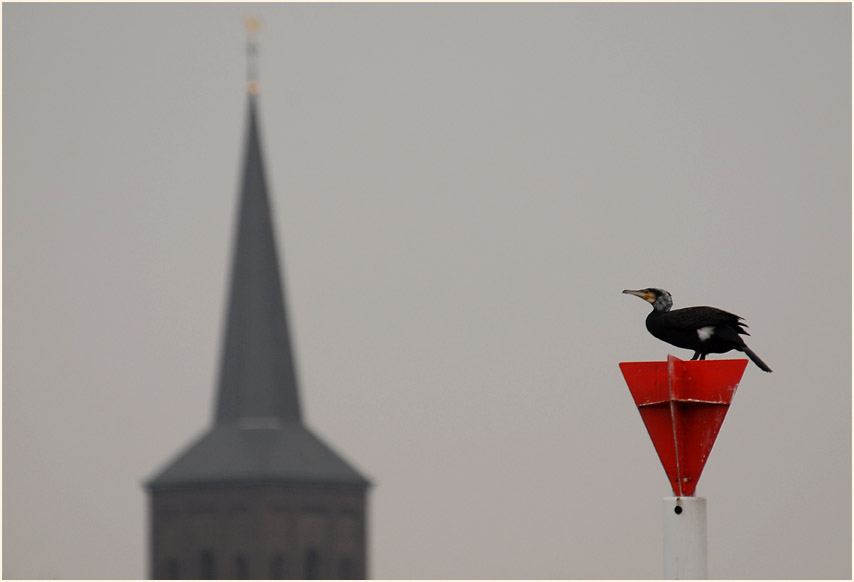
[[461, 192]]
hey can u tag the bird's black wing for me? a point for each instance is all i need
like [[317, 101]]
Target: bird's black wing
[[697, 317]]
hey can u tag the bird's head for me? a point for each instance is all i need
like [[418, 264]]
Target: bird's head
[[660, 299]]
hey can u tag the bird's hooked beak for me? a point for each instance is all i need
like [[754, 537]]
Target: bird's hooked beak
[[644, 294]]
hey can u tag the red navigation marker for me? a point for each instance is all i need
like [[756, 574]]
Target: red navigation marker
[[683, 405]]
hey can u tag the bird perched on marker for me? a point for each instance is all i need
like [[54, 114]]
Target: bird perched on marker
[[706, 330]]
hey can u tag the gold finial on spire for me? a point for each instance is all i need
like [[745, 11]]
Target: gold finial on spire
[[252, 27]]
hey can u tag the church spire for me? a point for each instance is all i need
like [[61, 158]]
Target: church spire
[[257, 384], [258, 434], [252, 28]]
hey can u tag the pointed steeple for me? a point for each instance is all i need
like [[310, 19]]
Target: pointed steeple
[[258, 435], [257, 383]]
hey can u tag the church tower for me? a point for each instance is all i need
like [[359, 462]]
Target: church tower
[[258, 495]]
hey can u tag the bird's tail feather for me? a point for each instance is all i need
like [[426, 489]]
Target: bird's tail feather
[[756, 359]]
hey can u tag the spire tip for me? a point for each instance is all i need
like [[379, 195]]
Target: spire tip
[[252, 27]]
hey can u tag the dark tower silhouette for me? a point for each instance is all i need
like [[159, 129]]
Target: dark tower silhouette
[[258, 495]]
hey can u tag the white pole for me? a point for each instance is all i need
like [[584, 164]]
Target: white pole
[[685, 544]]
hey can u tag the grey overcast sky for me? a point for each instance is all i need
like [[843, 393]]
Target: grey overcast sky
[[461, 192]]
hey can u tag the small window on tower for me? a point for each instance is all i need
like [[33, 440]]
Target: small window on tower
[[345, 569], [277, 567], [312, 565], [173, 572], [207, 566], [241, 568]]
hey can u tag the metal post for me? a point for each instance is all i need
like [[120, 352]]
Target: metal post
[[685, 543]]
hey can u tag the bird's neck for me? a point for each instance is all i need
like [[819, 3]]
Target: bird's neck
[[662, 304]]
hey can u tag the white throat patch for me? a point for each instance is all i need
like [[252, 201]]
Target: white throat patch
[[706, 332]]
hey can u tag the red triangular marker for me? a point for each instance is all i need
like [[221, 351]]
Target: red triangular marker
[[683, 405]]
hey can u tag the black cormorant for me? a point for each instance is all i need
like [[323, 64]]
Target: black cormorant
[[706, 330]]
